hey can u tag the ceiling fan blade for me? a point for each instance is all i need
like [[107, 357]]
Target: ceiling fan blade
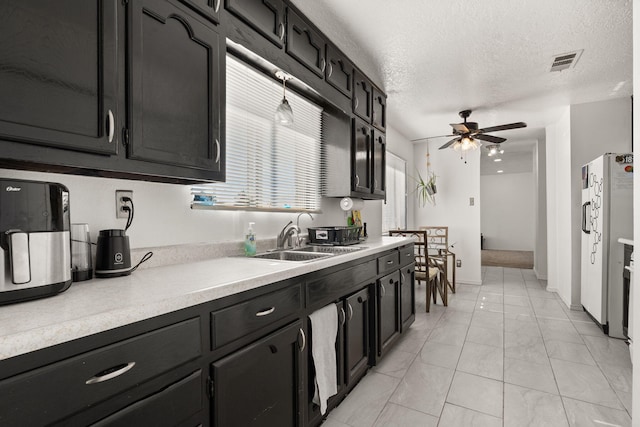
[[490, 138], [460, 127], [431, 137], [503, 127], [448, 144]]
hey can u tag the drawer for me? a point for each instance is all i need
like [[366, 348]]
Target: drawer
[[407, 255], [169, 407], [48, 394], [239, 320], [336, 285], [388, 263]]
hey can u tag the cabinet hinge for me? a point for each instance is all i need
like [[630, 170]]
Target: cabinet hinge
[[125, 135], [210, 387]]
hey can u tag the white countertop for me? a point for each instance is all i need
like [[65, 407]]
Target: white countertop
[[625, 241], [98, 305]]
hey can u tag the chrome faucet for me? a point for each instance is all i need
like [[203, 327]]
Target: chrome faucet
[[284, 238]]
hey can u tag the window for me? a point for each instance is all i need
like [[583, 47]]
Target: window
[[269, 167], [394, 211]]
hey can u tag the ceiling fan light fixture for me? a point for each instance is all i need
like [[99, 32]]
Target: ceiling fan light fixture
[[466, 143], [494, 149]]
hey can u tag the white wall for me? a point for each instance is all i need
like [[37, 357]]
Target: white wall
[[596, 128], [163, 216], [540, 231], [558, 155], [507, 213], [400, 145], [456, 183]]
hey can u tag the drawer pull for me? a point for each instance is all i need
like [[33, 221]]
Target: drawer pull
[[390, 262], [266, 312], [304, 341], [110, 373], [408, 254]]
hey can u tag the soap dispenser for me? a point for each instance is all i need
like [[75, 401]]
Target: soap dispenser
[[250, 241]]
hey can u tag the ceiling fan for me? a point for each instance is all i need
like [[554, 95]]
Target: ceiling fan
[[467, 132]]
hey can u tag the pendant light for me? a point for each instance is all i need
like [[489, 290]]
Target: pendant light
[[284, 113]]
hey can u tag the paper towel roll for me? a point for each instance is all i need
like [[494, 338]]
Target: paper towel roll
[[348, 204]]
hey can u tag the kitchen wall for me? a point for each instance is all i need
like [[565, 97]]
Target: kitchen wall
[[540, 224], [507, 212], [400, 145], [456, 182]]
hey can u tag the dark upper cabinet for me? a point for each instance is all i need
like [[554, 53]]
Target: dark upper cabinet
[[58, 79], [362, 96], [361, 162], [261, 384], [266, 16], [379, 115], [174, 81], [305, 43], [208, 8], [379, 163], [339, 71]]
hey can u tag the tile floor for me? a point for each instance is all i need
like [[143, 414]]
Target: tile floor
[[507, 353]]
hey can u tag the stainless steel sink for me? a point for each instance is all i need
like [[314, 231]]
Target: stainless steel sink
[[333, 250], [293, 256]]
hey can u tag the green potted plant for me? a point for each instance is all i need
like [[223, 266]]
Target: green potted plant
[[426, 190]]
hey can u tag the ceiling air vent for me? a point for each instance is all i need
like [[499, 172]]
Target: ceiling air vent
[[566, 60]]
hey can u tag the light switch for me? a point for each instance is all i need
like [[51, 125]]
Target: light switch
[[471, 201]]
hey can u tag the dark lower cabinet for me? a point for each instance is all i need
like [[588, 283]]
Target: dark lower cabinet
[[357, 335], [261, 384], [407, 296], [388, 312], [58, 74], [174, 99]]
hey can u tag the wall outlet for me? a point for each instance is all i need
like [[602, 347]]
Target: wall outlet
[[120, 203], [458, 263]]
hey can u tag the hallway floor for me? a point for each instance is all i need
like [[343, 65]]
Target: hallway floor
[[507, 353]]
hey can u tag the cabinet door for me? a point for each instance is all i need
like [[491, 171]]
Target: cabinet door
[[357, 345], [208, 8], [305, 43], [379, 118], [362, 96], [379, 164], [361, 157], [58, 73], [407, 296], [266, 16], [388, 311], [339, 72], [174, 87], [261, 385]]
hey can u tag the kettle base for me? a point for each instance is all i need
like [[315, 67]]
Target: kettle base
[[105, 274]]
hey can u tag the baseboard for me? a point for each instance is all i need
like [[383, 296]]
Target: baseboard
[[469, 282]]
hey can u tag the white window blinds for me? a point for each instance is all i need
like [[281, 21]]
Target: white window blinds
[[268, 166], [394, 211]]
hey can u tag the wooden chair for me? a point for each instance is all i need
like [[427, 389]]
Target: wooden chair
[[426, 269], [438, 250]]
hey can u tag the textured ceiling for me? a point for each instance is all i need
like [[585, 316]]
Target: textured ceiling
[[437, 57]]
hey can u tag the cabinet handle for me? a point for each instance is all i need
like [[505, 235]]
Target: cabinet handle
[[216, 6], [350, 311], [356, 106], [330, 69], [403, 278], [344, 316], [281, 25], [111, 126], [357, 180], [375, 184], [304, 341], [408, 255], [217, 151], [384, 291], [323, 65], [110, 373], [266, 312], [389, 262]]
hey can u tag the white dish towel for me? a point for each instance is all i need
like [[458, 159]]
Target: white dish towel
[[324, 329]]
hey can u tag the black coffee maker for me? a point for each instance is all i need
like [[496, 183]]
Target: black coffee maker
[[113, 254], [35, 243]]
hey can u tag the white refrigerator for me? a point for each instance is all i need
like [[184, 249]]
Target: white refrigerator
[[607, 215]]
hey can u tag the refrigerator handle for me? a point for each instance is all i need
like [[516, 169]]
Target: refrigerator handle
[[584, 217]]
